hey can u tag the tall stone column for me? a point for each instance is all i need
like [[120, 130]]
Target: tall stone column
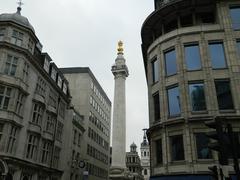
[[120, 71]]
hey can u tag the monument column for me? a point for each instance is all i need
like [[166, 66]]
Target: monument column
[[120, 71]]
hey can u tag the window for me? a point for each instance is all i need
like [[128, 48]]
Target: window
[[11, 65], [17, 38], [74, 136], [56, 157], [54, 74], [30, 45], [32, 147], [156, 105], [186, 20], [155, 70], [238, 48], [79, 139], [2, 32], [37, 114], [59, 83], [145, 172], [5, 93], [224, 96], [61, 110], [192, 57], [217, 55], [1, 130], [159, 158], [203, 152], [177, 149], [52, 99], [173, 101], [46, 65], [12, 139], [59, 131], [235, 16], [170, 62], [19, 103], [25, 72], [65, 88], [41, 87], [197, 96], [51, 120], [46, 149]]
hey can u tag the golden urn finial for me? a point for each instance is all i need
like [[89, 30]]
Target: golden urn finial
[[120, 47]]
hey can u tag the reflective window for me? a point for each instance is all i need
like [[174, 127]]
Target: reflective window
[[177, 149], [203, 152], [217, 55], [155, 70], [197, 97], [170, 62], [235, 16], [156, 106], [158, 144], [224, 95], [192, 57], [173, 101]]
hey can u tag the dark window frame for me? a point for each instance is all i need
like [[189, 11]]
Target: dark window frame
[[199, 53], [224, 54], [156, 107], [190, 99], [230, 88], [182, 151], [155, 79], [165, 61], [180, 111]]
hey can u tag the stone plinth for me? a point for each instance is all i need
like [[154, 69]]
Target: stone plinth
[[119, 173]]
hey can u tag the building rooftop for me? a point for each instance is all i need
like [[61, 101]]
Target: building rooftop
[[17, 18]]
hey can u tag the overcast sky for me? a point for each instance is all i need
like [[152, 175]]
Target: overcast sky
[[84, 33]]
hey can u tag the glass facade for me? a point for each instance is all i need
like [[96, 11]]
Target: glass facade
[[197, 96], [217, 55], [156, 105], [203, 152], [177, 148], [224, 95], [170, 62], [173, 101], [155, 70], [192, 57], [235, 17]]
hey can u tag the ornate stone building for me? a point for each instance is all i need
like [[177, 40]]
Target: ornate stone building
[[191, 52], [145, 157], [133, 163], [36, 120]]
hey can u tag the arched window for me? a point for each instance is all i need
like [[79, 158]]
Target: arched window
[[145, 171]]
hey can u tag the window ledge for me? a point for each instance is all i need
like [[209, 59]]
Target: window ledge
[[203, 161], [168, 76], [178, 162], [194, 70], [199, 112], [227, 111]]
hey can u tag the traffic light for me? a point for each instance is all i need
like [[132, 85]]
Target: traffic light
[[214, 172], [221, 139]]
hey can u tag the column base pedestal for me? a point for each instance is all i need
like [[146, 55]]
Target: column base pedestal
[[120, 173]]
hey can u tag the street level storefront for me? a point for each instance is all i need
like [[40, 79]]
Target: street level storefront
[[187, 177]]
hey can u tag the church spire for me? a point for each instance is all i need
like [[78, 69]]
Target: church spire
[[19, 8]]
